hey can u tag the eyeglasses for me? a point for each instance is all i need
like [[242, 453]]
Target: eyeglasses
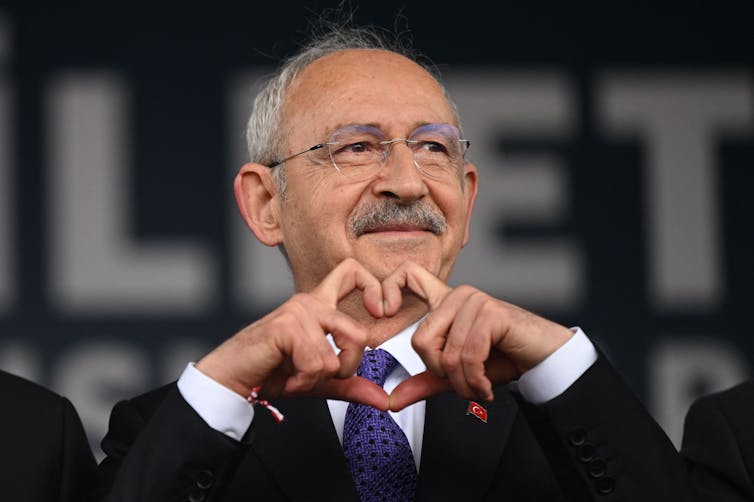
[[358, 150]]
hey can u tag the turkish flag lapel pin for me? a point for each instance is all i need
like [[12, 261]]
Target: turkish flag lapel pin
[[477, 410]]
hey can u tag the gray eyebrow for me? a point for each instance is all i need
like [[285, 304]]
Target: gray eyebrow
[[361, 128]]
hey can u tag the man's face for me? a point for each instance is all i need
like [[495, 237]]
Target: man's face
[[394, 95]]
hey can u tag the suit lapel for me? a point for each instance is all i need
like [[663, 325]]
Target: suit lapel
[[303, 453], [460, 452]]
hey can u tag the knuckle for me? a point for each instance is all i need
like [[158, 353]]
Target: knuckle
[[468, 359], [304, 382], [492, 306], [467, 289], [349, 263], [301, 300], [286, 319], [294, 304], [359, 336], [331, 365], [479, 384], [489, 309], [419, 342], [449, 362], [310, 368]]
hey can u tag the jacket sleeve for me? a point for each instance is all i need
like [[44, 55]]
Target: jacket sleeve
[[158, 449], [603, 445]]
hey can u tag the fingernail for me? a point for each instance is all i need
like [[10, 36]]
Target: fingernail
[[384, 306]]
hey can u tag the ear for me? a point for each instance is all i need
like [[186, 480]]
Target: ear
[[258, 201], [470, 187]]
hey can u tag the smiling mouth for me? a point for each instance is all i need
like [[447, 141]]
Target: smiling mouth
[[397, 227]]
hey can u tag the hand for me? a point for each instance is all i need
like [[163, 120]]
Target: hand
[[287, 354], [469, 340]]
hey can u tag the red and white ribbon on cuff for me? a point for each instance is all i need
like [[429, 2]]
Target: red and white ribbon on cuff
[[254, 399]]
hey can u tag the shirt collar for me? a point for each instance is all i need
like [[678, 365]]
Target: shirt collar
[[400, 348]]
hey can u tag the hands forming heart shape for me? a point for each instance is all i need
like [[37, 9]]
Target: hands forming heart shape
[[469, 341]]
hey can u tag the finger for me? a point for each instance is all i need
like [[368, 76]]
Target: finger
[[499, 369], [463, 366], [347, 276], [427, 384], [475, 353], [429, 340], [318, 319], [275, 383], [308, 352], [416, 279], [349, 336], [355, 390], [417, 388]]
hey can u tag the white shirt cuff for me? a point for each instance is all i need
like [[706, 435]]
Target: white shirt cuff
[[222, 409], [560, 370]]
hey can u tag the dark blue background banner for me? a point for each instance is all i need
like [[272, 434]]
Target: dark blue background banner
[[615, 143]]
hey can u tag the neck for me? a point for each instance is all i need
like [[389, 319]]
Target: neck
[[383, 328]]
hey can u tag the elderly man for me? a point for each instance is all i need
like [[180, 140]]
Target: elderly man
[[359, 176]]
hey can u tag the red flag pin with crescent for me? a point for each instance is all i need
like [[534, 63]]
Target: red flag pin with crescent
[[477, 410]]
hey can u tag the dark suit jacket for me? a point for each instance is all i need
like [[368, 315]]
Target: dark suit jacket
[[718, 445], [44, 453], [595, 438]]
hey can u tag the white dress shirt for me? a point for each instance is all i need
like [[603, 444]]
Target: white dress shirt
[[231, 414]]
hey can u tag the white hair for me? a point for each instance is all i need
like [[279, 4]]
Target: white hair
[[265, 137]]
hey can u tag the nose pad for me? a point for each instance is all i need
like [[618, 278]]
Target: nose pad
[[399, 180], [389, 145]]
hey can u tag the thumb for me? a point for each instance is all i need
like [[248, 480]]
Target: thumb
[[417, 388], [353, 389]]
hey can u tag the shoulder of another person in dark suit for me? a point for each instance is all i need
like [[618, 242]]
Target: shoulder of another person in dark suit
[[43, 441], [738, 396], [731, 409], [40, 413], [718, 444], [31, 402]]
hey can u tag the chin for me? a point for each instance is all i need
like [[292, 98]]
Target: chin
[[386, 264], [382, 256]]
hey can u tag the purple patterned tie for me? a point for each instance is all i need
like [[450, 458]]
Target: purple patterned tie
[[376, 449]]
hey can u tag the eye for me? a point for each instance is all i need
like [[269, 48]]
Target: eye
[[359, 147], [433, 147], [355, 148]]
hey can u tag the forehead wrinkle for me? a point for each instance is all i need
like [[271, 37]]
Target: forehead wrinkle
[[335, 77], [357, 127], [377, 130]]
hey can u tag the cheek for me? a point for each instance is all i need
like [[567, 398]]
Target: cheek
[[451, 201], [323, 205], [316, 183]]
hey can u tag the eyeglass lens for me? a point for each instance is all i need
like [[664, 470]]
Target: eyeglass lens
[[356, 150]]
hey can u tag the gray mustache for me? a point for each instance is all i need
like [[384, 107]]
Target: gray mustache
[[389, 212]]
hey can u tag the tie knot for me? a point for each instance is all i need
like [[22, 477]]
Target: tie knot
[[375, 365]]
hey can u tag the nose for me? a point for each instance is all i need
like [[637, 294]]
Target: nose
[[399, 177]]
